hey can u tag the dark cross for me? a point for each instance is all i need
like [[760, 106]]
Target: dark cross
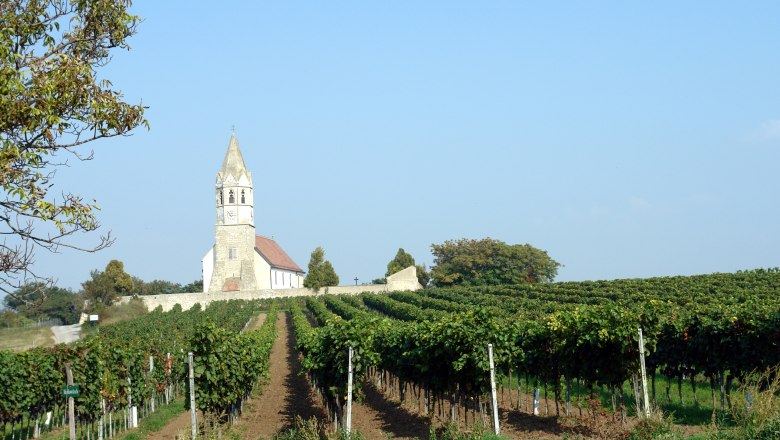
[[233, 129], [356, 278]]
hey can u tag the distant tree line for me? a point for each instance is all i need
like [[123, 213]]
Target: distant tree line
[[39, 301], [485, 262], [464, 262]]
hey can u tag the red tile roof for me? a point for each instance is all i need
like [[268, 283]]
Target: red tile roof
[[274, 254]]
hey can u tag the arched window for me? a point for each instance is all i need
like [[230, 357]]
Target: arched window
[[221, 199], [231, 199], [243, 200]]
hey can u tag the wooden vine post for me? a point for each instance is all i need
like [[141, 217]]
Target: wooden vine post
[[493, 389], [644, 372], [71, 403]]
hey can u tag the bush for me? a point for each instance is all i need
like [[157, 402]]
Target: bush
[[760, 413]]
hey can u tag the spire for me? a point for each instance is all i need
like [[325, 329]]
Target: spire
[[234, 162]]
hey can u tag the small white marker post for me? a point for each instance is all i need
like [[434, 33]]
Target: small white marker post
[[349, 392], [493, 390], [536, 401], [192, 397], [133, 409], [644, 372]]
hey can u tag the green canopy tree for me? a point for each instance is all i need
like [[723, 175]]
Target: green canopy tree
[[52, 104], [490, 262], [321, 272], [44, 301], [155, 287], [401, 261], [105, 287]]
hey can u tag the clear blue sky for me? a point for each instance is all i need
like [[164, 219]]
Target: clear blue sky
[[628, 139]]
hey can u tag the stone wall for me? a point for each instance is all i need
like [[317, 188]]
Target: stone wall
[[404, 280]]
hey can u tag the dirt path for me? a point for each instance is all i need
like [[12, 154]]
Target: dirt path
[[287, 394], [378, 418], [179, 427], [64, 334]]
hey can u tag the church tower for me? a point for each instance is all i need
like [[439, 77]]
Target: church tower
[[234, 251]]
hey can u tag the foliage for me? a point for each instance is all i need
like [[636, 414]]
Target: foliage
[[321, 272], [758, 417], [309, 429], [51, 104], [655, 427], [451, 432], [163, 287], [228, 365], [9, 318], [329, 277], [490, 262], [117, 312], [114, 363], [105, 287], [195, 286], [41, 301], [423, 276], [721, 326], [401, 261], [155, 287]]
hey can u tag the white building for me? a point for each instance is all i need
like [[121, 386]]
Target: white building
[[240, 259]]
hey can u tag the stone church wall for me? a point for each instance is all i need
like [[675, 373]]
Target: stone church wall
[[404, 280]]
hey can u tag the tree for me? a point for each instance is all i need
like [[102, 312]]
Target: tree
[[155, 287], [51, 104], [423, 276], [40, 301], [490, 262], [329, 277], [105, 287], [321, 272], [195, 286], [401, 261]]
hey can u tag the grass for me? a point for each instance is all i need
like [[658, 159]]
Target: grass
[[122, 312], [149, 424], [698, 411], [24, 338], [156, 421]]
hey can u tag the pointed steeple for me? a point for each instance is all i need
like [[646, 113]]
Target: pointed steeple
[[233, 165]]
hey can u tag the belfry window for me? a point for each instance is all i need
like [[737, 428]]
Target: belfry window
[[231, 199], [221, 198]]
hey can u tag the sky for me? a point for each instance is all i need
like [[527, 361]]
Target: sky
[[627, 139]]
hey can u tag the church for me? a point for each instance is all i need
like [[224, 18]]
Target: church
[[240, 260]]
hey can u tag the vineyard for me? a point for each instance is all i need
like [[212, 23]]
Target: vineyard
[[717, 329], [136, 365], [556, 348]]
